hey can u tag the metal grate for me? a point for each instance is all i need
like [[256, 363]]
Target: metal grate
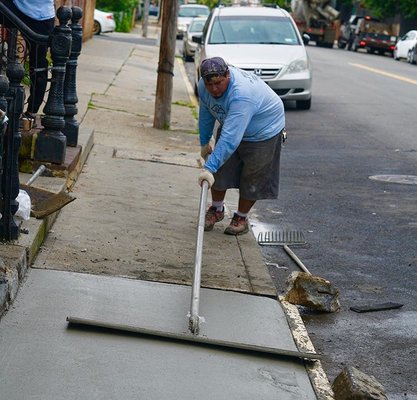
[[264, 73]]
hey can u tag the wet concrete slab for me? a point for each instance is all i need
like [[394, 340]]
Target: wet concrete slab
[[43, 358]]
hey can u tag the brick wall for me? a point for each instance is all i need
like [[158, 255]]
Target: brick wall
[[88, 7]]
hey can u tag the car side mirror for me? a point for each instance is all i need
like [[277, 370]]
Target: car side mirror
[[196, 39], [306, 39]]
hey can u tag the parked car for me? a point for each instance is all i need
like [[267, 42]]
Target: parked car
[[374, 42], [264, 41], [405, 44], [153, 10], [194, 29], [103, 22], [185, 15]]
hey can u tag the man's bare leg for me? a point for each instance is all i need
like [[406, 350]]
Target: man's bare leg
[[245, 206], [218, 195]]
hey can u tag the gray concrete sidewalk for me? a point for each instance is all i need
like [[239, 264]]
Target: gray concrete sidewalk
[[137, 195], [136, 212]]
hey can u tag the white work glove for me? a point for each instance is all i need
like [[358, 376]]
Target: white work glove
[[206, 150], [206, 175]]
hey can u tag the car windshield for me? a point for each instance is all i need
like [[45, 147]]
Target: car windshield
[[197, 26], [253, 30], [191, 12]]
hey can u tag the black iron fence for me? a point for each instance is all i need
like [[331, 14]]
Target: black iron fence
[[59, 127]]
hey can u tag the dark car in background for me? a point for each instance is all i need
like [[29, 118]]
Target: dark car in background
[[153, 10], [374, 42]]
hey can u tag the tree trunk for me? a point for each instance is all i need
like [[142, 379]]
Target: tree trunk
[[145, 19], [164, 84]]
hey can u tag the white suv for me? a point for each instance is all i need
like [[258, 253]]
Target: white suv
[[261, 40]]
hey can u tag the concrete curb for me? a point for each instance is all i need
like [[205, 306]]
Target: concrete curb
[[315, 370]]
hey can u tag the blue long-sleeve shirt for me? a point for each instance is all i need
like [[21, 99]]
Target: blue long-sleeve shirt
[[36, 9], [249, 110]]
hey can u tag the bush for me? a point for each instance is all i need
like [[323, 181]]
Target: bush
[[123, 12], [116, 5], [123, 21]]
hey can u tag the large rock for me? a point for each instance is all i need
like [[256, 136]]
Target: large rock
[[352, 384], [312, 292]]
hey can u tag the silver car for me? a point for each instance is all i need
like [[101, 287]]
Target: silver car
[[186, 14], [194, 29], [264, 41]]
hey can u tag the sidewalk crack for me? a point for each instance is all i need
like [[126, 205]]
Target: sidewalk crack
[[245, 266]]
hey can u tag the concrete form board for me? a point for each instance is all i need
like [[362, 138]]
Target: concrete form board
[[43, 359]]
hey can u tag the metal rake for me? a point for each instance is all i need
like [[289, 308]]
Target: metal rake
[[281, 238]]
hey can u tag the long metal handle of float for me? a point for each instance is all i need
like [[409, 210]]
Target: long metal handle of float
[[194, 318]]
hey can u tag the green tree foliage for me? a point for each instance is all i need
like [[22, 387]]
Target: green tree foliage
[[390, 8], [209, 3], [281, 3], [214, 3], [123, 12], [116, 5], [409, 8]]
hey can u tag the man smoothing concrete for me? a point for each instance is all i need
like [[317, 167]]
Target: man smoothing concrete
[[248, 143]]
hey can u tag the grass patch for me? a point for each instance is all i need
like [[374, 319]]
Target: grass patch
[[189, 105]]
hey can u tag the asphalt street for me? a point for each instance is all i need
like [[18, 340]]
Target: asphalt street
[[361, 233]]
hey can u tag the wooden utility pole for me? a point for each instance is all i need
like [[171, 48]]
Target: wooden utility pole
[[145, 19], [164, 84]]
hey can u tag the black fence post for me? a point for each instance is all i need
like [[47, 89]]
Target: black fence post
[[70, 85], [51, 143], [9, 229], [4, 87]]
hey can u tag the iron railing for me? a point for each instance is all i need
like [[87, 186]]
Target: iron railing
[[59, 125]]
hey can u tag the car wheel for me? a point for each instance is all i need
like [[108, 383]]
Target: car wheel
[[185, 54], [413, 59], [96, 28], [410, 56], [303, 104]]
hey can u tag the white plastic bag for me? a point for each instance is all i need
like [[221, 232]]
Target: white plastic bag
[[25, 205]]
